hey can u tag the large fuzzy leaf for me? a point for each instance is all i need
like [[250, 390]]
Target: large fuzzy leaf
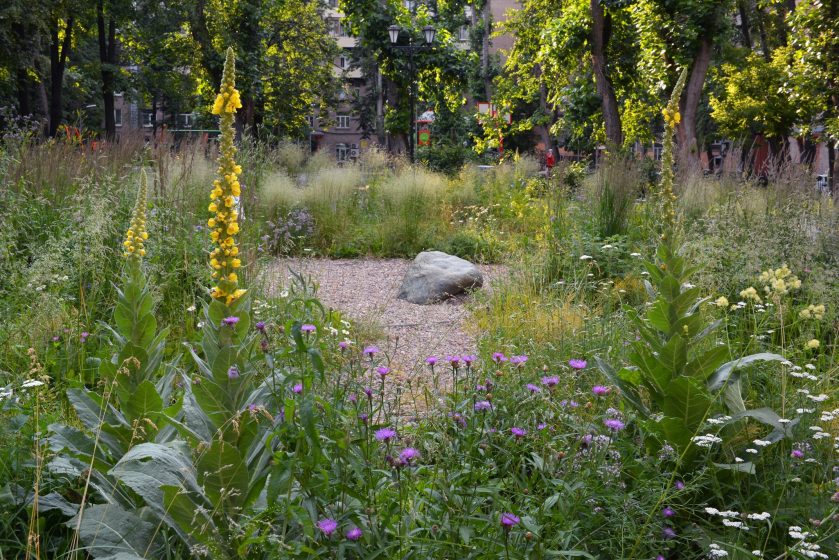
[[223, 475], [107, 529], [727, 378]]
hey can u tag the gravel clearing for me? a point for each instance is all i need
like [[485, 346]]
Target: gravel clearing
[[365, 290]]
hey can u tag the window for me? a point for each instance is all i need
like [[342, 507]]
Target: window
[[657, 151], [118, 117], [146, 119], [333, 3], [341, 152], [342, 121], [334, 27], [343, 62], [463, 33], [409, 5], [313, 122]]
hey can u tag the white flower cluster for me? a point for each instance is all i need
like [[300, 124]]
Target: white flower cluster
[[830, 415], [728, 514], [736, 524], [762, 442], [706, 441], [759, 516], [718, 420], [807, 549], [714, 551]]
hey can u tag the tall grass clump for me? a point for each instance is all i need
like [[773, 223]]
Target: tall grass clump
[[615, 187]]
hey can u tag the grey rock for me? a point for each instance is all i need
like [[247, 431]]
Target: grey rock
[[435, 276]]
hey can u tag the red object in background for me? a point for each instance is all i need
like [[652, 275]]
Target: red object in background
[[550, 160], [424, 137]]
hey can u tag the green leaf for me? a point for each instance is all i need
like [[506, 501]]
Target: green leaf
[[223, 475], [688, 400], [674, 355], [144, 403], [107, 529], [721, 375], [627, 392], [192, 519], [702, 366]]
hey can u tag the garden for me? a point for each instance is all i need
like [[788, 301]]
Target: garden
[[654, 377]]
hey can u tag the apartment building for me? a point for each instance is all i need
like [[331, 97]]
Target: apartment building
[[339, 132]]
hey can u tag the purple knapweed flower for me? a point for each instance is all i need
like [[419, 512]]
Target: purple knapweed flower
[[481, 388], [600, 390], [307, 328], [233, 372], [353, 398], [354, 534], [371, 351], [668, 533], [541, 426], [230, 321], [252, 408], [458, 418], [508, 520], [297, 389], [83, 337], [577, 364], [408, 454], [573, 404], [264, 345], [56, 338], [431, 360], [468, 360], [363, 417], [614, 424], [385, 434], [550, 381], [518, 360], [368, 391], [454, 361], [260, 326], [343, 345], [327, 526], [679, 485], [498, 357], [796, 454], [483, 405], [668, 512], [382, 371], [518, 432], [533, 388]]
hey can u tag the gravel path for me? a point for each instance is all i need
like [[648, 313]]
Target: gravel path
[[365, 290]]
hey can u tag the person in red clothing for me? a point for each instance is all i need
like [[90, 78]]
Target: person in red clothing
[[550, 161]]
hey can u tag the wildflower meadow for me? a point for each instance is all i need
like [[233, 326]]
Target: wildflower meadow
[[655, 378]]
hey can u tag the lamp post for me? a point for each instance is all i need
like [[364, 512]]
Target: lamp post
[[428, 33]]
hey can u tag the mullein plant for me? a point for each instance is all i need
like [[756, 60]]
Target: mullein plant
[[677, 375], [128, 413]]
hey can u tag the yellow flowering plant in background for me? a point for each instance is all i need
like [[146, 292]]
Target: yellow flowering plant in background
[[224, 198], [134, 245]]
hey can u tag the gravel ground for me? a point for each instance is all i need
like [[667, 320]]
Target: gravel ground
[[365, 290]]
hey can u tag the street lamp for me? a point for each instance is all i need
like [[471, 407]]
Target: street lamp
[[428, 33]]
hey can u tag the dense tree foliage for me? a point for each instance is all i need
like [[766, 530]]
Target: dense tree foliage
[[580, 73]]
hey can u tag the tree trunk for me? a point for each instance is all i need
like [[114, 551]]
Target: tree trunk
[[600, 31], [831, 167], [107, 61], [58, 61], [212, 61], [744, 24], [487, 15], [764, 44], [688, 147]]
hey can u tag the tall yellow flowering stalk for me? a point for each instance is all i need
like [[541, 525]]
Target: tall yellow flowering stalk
[[667, 198], [224, 224], [136, 236]]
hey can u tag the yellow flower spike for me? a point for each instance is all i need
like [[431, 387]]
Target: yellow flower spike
[[226, 189], [136, 233], [665, 195]]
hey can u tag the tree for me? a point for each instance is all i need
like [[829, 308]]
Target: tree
[[812, 71]]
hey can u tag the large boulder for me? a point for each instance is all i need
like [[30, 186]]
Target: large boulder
[[435, 276]]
